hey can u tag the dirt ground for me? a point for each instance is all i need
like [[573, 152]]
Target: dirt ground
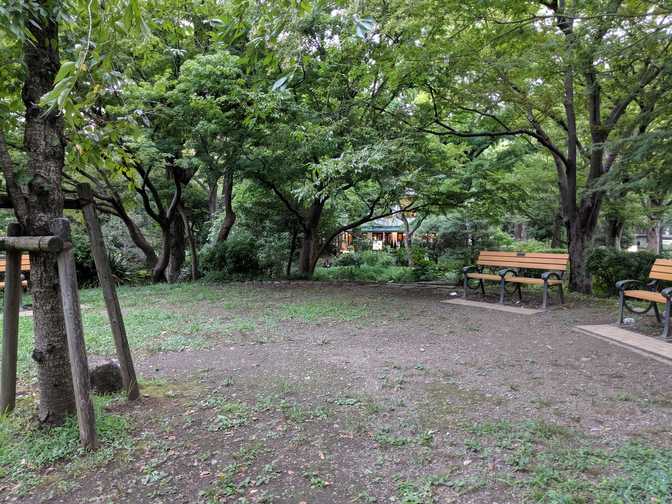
[[395, 398]]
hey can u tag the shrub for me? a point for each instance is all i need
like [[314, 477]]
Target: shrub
[[377, 258], [365, 273], [85, 266], [235, 257], [349, 259], [609, 265]]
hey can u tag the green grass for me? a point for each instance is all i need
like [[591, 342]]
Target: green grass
[[323, 309], [26, 450], [556, 465]]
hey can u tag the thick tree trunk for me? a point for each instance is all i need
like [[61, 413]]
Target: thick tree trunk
[[159, 271], [308, 257], [177, 254], [44, 141], [229, 214]]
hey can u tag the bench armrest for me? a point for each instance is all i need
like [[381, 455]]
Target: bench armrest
[[622, 284], [667, 293], [470, 269], [503, 272], [546, 275]]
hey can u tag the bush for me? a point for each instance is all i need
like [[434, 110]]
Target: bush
[[609, 265], [85, 266], [365, 273], [235, 257], [348, 259], [377, 258]]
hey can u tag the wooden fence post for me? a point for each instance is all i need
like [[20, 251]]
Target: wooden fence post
[[67, 279], [10, 324], [109, 292]]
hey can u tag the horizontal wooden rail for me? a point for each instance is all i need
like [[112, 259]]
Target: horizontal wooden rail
[[68, 203], [51, 244]]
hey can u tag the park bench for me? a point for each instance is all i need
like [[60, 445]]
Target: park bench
[[652, 293], [25, 267], [510, 268]]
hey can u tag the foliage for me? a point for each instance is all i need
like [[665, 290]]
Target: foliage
[[236, 258], [87, 276], [366, 274], [609, 265]]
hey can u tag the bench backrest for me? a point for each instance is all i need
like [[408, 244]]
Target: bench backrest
[[523, 260], [662, 270], [25, 263]]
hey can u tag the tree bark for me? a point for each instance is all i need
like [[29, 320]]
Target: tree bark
[[177, 251], [308, 257], [292, 250], [229, 214], [653, 237], [556, 233], [44, 142], [615, 227]]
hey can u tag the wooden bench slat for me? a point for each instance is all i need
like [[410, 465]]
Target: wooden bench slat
[[532, 281], [664, 262], [548, 266], [645, 295], [657, 275], [484, 276], [560, 257]]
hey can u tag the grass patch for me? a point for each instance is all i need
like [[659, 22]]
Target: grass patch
[[556, 465], [323, 309], [26, 449]]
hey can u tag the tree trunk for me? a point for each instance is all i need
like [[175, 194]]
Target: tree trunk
[[192, 244], [580, 238], [177, 254], [229, 214], [308, 257], [520, 231], [408, 240], [212, 198], [556, 233], [615, 227], [44, 141], [137, 236], [292, 251], [653, 237]]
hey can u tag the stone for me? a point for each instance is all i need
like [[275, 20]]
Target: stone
[[105, 377]]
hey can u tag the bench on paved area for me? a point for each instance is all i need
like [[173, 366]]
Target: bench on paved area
[[652, 293], [25, 268], [509, 268]]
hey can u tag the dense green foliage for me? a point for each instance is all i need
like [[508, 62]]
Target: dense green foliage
[[609, 265]]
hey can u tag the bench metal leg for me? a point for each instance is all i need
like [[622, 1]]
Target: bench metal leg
[[544, 303], [501, 291], [482, 288], [466, 285], [656, 312], [520, 292], [621, 306], [666, 321], [562, 295]]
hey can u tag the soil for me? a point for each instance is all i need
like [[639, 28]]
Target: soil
[[337, 411]]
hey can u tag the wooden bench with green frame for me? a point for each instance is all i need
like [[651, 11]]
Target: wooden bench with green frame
[[507, 269], [653, 293]]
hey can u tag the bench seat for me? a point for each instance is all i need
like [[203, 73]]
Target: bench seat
[[655, 294], [484, 276], [645, 295], [513, 267]]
